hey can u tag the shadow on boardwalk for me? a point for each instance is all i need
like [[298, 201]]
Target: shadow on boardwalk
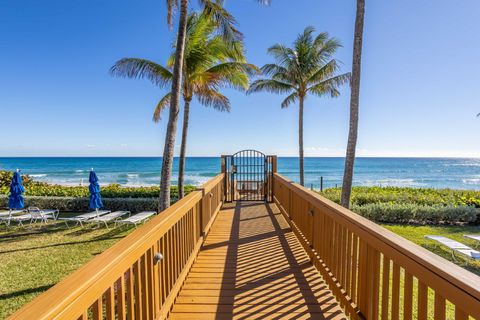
[[253, 267]]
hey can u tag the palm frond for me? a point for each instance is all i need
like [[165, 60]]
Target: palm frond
[[270, 85], [320, 39], [289, 100], [234, 67], [162, 104], [212, 98], [326, 71], [140, 68], [327, 49], [172, 6], [330, 86], [282, 54], [225, 21], [272, 69]]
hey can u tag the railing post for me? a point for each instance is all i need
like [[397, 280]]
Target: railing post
[[273, 160], [274, 164]]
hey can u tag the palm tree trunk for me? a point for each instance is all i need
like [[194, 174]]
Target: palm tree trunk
[[168, 149], [300, 139], [354, 103], [183, 149]]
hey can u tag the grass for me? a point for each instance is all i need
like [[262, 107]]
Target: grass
[[417, 234], [32, 259]]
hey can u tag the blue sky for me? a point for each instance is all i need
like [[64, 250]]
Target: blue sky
[[419, 84]]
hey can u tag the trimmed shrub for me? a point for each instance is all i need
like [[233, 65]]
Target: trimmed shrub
[[421, 196], [414, 213], [110, 191], [65, 204]]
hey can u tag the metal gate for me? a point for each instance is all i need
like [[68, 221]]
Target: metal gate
[[249, 176]]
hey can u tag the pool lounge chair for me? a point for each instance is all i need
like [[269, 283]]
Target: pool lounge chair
[[456, 247], [472, 236], [43, 215], [9, 212], [136, 219], [109, 217], [85, 217], [19, 219]]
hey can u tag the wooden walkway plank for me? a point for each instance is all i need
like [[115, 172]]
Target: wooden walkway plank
[[252, 266]]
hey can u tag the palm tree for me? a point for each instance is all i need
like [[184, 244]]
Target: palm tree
[[210, 63], [306, 68], [354, 104], [215, 9]]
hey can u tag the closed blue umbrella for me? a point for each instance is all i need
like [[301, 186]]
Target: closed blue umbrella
[[15, 200], [95, 197]]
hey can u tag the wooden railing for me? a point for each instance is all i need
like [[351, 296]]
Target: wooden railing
[[131, 280], [374, 273]]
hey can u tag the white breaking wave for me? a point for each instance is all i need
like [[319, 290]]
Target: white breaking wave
[[392, 183], [471, 181], [40, 175]]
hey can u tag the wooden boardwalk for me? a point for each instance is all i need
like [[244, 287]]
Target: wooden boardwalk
[[252, 266]]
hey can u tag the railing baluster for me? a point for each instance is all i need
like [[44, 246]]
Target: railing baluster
[[130, 293], [422, 312], [156, 282], [97, 309], [385, 287], [407, 296], [353, 290], [163, 272], [396, 292], [439, 309], [137, 285], [110, 303], [121, 298]]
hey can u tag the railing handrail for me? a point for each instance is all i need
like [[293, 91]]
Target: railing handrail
[[91, 279], [387, 241]]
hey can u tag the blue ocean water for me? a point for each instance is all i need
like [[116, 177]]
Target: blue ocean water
[[410, 172]]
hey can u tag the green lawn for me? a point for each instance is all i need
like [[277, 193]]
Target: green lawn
[[32, 259], [417, 234]]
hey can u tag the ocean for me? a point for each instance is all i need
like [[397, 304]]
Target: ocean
[[452, 173]]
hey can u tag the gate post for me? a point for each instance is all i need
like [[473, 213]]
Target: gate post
[[223, 164]]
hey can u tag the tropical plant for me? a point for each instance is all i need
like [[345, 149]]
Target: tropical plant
[[210, 63], [354, 105], [214, 8], [306, 68]]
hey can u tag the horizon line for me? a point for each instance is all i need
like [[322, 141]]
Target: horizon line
[[217, 156]]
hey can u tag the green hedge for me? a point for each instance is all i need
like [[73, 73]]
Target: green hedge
[[110, 191], [421, 196], [414, 213], [72, 204]]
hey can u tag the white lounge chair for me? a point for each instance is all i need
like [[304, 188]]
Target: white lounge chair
[[472, 236], [9, 212], [136, 219], [84, 217], [19, 219], [4, 215], [456, 246], [109, 217], [43, 215]]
